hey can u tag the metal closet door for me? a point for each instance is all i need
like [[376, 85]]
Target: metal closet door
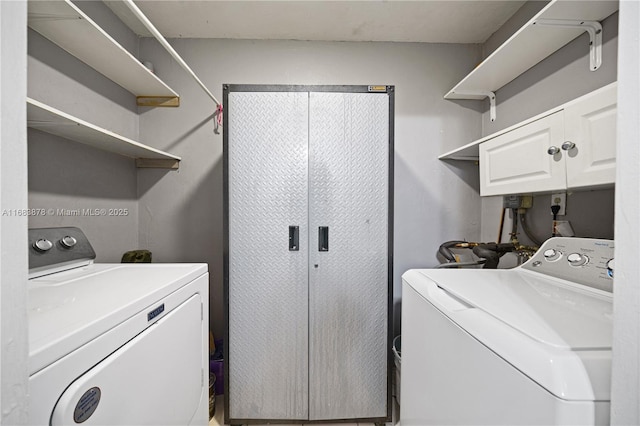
[[348, 258], [267, 270]]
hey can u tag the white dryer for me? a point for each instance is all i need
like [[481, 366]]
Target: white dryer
[[529, 345], [114, 344]]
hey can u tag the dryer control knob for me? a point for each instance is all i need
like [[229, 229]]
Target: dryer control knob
[[42, 245], [552, 254], [577, 259], [68, 241], [611, 266]]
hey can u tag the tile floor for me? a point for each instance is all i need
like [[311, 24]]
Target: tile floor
[[218, 418]]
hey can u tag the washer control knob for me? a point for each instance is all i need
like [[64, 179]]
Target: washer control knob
[[577, 259], [611, 266], [42, 245], [552, 254], [68, 241]]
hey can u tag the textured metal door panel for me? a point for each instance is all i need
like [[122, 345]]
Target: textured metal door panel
[[348, 289], [268, 291]]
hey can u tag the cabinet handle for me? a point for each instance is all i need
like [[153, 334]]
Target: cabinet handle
[[568, 145], [553, 150], [294, 238], [323, 238]]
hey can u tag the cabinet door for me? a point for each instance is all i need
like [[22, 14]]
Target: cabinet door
[[591, 125], [348, 271], [267, 288], [518, 161]]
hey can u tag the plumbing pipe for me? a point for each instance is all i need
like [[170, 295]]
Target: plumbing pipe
[[499, 240], [527, 231], [446, 253]]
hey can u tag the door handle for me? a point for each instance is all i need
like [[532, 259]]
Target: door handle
[[294, 238], [323, 238], [553, 150]]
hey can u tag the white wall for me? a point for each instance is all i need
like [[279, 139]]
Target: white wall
[[13, 226], [625, 404], [181, 213]]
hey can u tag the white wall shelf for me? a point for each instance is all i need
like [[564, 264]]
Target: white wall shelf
[[50, 120], [67, 26], [471, 151], [530, 45]]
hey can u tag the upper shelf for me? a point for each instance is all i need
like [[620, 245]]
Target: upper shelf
[[50, 120], [67, 26], [528, 46]]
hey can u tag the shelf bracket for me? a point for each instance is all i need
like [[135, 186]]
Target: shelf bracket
[[158, 101], [594, 28], [157, 163], [474, 94]]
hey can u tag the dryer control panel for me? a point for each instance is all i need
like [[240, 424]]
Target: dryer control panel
[[586, 261], [56, 249]]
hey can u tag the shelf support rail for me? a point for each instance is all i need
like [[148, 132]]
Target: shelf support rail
[[594, 28], [486, 93], [149, 25]]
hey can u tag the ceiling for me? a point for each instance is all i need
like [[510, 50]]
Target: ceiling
[[451, 21]]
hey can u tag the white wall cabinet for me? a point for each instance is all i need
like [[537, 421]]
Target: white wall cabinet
[[570, 148], [591, 125]]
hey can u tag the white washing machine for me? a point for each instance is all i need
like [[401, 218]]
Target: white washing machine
[[525, 346], [114, 344]]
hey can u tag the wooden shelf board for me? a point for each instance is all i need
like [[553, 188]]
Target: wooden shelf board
[[67, 26], [530, 45], [50, 120]]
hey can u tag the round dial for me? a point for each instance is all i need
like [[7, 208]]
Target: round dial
[[577, 259], [42, 245], [68, 241], [611, 266], [552, 254]]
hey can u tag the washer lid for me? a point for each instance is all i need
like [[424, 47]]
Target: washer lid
[[71, 308], [556, 333], [548, 310]]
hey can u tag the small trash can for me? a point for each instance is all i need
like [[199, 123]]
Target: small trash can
[[397, 361]]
